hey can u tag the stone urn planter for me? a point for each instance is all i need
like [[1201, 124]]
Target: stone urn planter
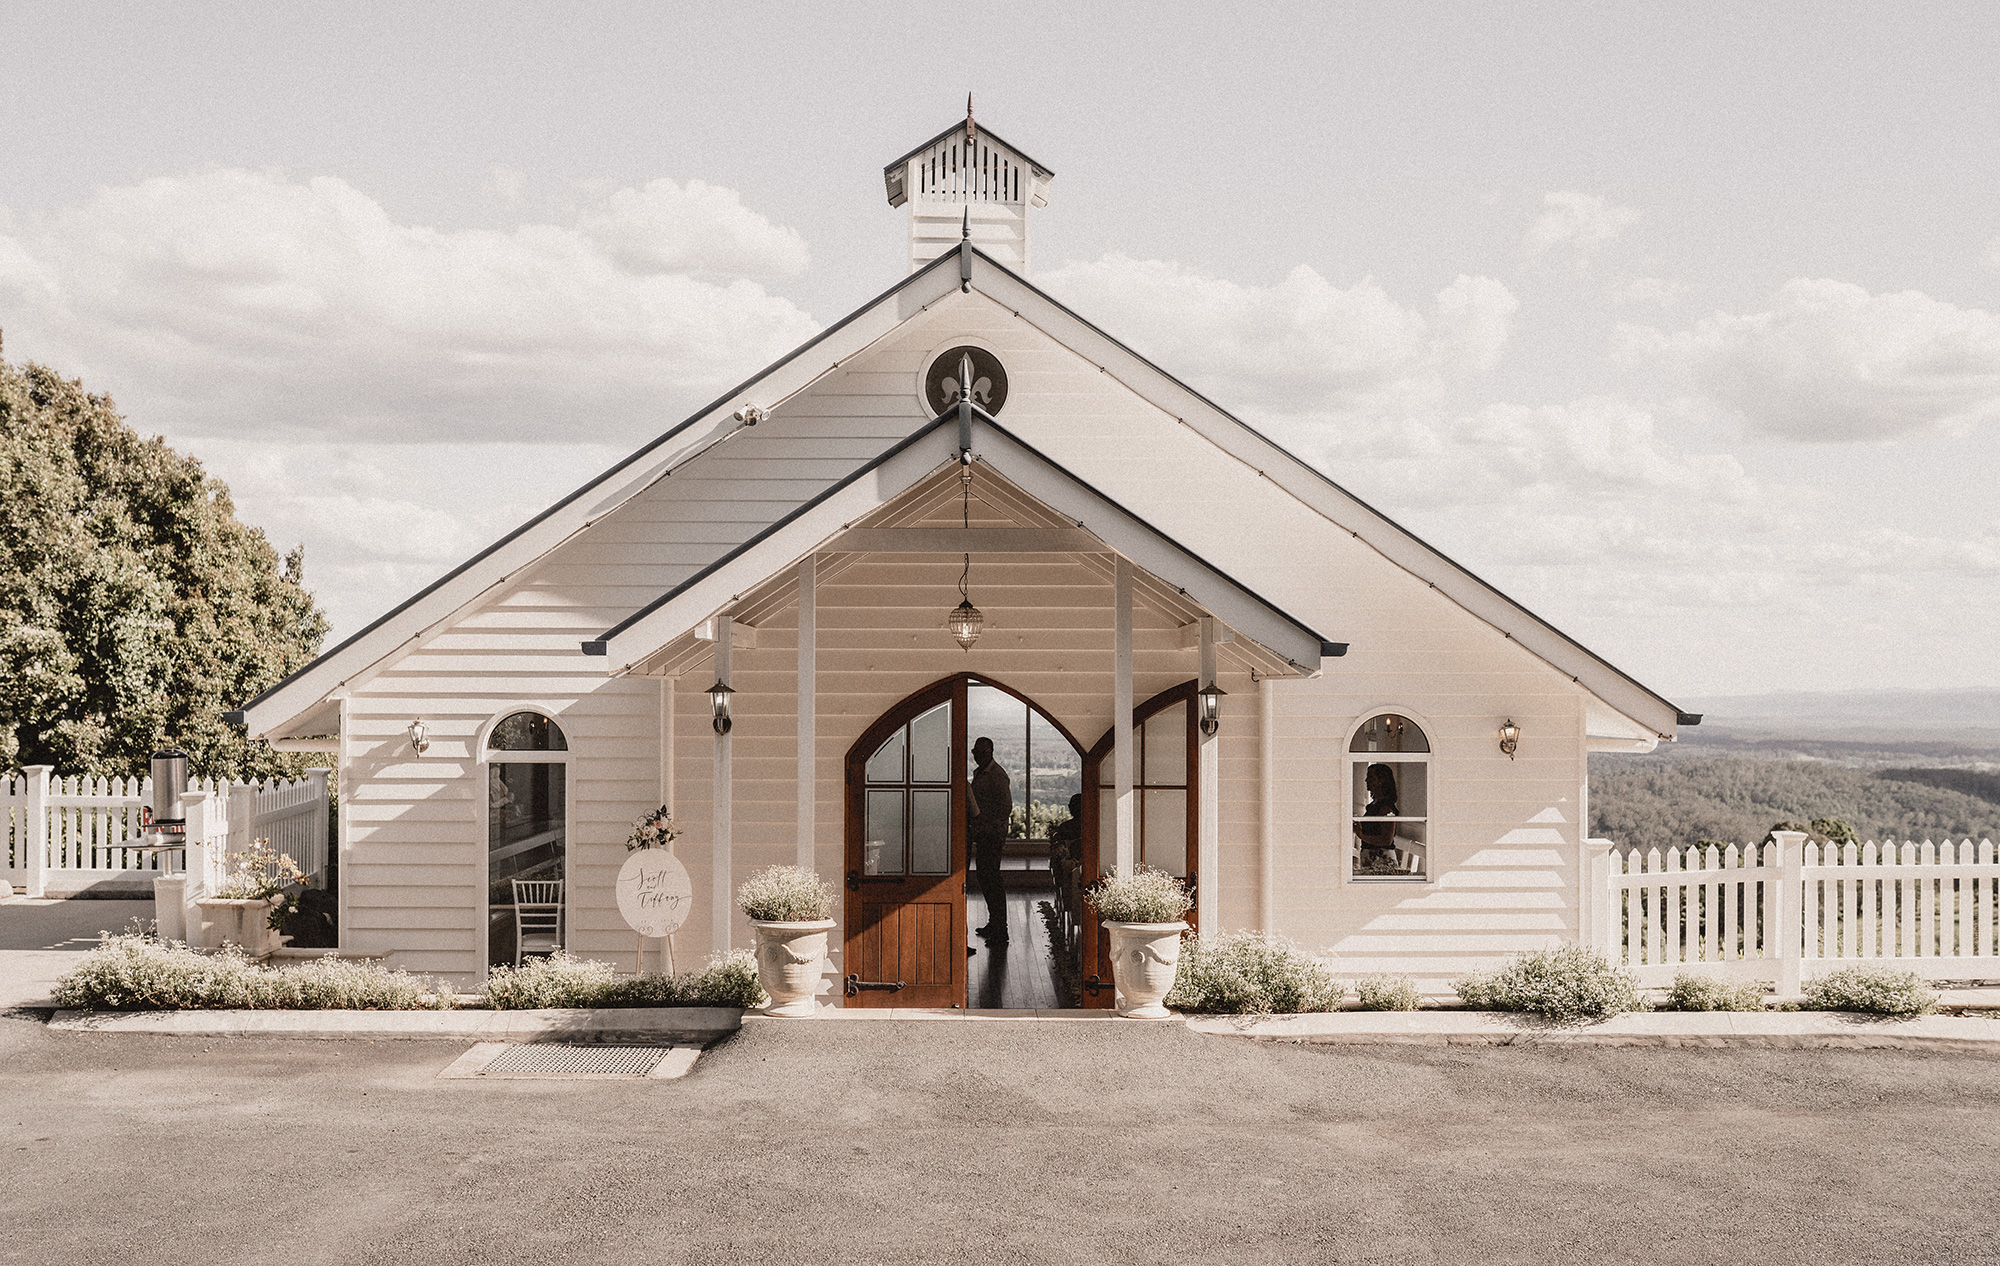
[[238, 921], [791, 962], [1144, 958]]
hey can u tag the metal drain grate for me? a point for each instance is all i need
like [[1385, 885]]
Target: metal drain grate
[[572, 1060], [566, 1060]]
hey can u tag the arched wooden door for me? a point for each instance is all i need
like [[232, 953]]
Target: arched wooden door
[[906, 847], [1166, 790]]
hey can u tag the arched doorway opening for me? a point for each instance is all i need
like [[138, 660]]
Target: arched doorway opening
[[911, 894], [1166, 795]]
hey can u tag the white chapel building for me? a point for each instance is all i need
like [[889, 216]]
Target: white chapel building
[[1233, 669]]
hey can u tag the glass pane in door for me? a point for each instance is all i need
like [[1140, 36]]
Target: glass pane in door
[[882, 840], [930, 832]]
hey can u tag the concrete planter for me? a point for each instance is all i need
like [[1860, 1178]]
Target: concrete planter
[[234, 921], [1144, 958], [791, 960]]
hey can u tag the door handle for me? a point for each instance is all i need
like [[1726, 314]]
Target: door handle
[[854, 985]]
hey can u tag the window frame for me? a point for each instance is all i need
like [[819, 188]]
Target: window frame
[[1349, 759], [485, 757]]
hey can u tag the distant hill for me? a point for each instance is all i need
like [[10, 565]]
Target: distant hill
[[1664, 802], [1964, 718]]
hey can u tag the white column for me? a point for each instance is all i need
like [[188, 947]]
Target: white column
[[37, 835], [1123, 817], [1266, 809], [667, 701], [808, 705], [195, 806], [721, 881], [343, 831], [1208, 787], [318, 776]]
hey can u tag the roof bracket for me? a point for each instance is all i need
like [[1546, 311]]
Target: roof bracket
[[965, 254]]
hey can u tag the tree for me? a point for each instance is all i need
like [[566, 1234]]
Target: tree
[[134, 607]]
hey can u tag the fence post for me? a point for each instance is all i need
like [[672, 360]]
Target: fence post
[[1790, 929], [1597, 864], [37, 833], [318, 776], [242, 816], [195, 806]]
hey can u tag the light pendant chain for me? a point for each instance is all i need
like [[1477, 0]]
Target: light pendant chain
[[965, 620]]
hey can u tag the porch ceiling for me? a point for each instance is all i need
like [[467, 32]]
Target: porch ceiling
[[929, 511]]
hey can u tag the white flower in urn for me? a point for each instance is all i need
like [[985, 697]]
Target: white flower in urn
[[655, 830]]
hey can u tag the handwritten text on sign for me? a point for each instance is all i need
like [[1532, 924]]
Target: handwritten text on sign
[[654, 894]]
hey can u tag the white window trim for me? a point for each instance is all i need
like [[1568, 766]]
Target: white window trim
[[1349, 758], [482, 901]]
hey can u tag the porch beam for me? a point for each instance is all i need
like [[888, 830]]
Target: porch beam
[[808, 705], [966, 541], [720, 880], [1121, 716]]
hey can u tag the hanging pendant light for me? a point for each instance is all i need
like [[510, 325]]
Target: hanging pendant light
[[965, 620]]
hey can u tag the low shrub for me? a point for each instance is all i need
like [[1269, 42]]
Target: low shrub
[[1387, 993], [135, 972], [1695, 992], [1250, 973], [729, 980], [785, 894], [1144, 896], [1871, 990], [1565, 984]]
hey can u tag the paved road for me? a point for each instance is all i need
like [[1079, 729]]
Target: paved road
[[994, 1142]]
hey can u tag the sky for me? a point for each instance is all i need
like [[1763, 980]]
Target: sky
[[1679, 324]]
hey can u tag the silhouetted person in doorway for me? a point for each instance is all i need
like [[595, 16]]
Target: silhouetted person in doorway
[[992, 805]]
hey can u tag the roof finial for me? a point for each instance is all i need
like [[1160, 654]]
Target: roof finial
[[971, 128], [965, 225]]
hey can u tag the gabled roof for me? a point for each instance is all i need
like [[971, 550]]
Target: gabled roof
[[820, 520], [466, 584]]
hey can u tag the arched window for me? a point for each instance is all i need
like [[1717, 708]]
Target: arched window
[[1389, 799], [527, 836]]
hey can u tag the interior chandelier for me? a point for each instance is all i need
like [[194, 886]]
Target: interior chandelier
[[965, 620]]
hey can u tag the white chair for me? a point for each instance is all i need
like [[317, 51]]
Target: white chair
[[538, 917]]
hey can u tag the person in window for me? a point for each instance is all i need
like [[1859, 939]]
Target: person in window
[[991, 805], [1378, 839]]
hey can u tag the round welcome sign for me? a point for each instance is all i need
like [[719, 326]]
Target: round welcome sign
[[654, 894]]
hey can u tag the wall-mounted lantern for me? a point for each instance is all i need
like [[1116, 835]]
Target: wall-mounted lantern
[[718, 705], [1510, 737], [1210, 699], [420, 741]]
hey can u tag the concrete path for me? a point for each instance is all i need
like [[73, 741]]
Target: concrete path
[[41, 938], [607, 1024], [995, 1142]]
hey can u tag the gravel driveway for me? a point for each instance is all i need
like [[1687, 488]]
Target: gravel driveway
[[995, 1142]]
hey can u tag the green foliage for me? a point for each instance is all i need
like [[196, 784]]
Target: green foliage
[[729, 980], [1833, 831], [1144, 896], [134, 607], [1381, 992], [135, 972], [1652, 802], [1565, 984], [785, 894], [1971, 782], [1250, 973], [1695, 992], [1872, 990]]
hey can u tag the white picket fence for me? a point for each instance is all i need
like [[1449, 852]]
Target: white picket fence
[[65, 834], [1788, 910]]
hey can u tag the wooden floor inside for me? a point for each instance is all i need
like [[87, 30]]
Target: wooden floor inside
[[1020, 975]]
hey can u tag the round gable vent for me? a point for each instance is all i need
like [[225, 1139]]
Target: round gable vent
[[942, 387]]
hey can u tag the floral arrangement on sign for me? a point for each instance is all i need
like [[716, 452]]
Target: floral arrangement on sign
[[259, 873], [655, 830]]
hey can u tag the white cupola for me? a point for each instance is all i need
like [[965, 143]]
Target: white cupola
[[965, 181]]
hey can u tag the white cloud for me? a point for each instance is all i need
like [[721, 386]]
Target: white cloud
[[1302, 345], [238, 302], [699, 228], [1993, 253], [1584, 221], [1648, 290], [1832, 362]]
